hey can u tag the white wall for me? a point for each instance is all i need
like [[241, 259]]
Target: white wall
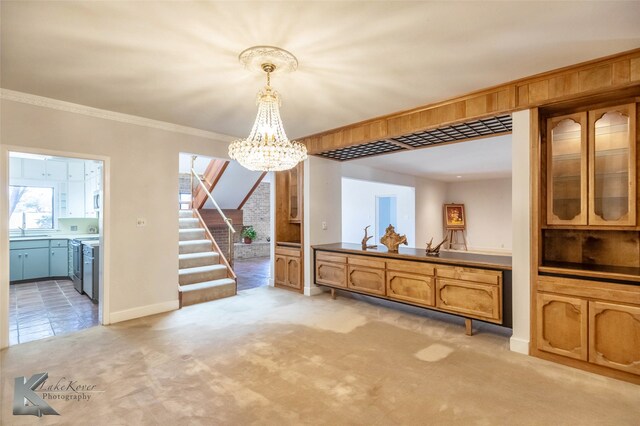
[[359, 209], [487, 206], [521, 208], [322, 203], [141, 180], [430, 196]]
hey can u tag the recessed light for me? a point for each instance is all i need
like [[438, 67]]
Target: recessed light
[[458, 177]]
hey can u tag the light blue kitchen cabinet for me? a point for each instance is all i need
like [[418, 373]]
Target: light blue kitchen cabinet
[[59, 262], [15, 265], [35, 263]]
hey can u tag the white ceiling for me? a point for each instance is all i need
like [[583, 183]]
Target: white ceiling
[[177, 61], [488, 158]]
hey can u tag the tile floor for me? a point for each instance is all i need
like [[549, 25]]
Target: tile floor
[[47, 308], [252, 272]]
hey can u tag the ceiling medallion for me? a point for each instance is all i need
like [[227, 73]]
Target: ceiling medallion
[[267, 148]]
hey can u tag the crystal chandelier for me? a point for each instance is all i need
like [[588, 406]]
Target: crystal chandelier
[[267, 148]]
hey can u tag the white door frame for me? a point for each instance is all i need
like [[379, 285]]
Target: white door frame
[[104, 225]]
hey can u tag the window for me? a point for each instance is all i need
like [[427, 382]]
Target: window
[[30, 207], [386, 214]]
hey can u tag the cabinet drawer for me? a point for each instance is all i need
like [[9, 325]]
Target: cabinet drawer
[[414, 267], [366, 261], [288, 251], [329, 273], [470, 274], [59, 243], [412, 288], [476, 300], [331, 257], [366, 279], [29, 244]]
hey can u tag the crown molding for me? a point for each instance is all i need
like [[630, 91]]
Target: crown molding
[[41, 101]]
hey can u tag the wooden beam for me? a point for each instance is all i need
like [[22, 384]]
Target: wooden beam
[[212, 175], [601, 75], [255, 186]]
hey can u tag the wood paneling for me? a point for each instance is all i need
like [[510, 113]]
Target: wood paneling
[[562, 325], [585, 79], [366, 279], [280, 270], [468, 298], [329, 273], [614, 336], [212, 174], [413, 288], [469, 274]]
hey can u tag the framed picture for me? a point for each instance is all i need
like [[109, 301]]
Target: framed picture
[[454, 217]]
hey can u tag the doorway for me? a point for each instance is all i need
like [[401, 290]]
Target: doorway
[[55, 245], [241, 196]]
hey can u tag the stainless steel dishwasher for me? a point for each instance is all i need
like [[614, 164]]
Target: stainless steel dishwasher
[[90, 270], [76, 276]]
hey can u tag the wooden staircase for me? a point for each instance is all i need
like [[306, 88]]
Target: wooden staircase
[[204, 272]]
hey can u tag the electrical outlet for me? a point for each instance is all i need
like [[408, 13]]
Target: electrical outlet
[[74, 227], [324, 226], [142, 221]]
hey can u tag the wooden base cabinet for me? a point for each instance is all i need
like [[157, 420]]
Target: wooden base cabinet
[[412, 288], [469, 298], [288, 272], [329, 273], [562, 325], [366, 280], [614, 336]]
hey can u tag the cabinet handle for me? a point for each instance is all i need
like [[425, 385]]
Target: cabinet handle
[[52, 253], [26, 255], [19, 256]]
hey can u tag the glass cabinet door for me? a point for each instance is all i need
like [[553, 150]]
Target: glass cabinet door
[[612, 166], [294, 194], [567, 170]]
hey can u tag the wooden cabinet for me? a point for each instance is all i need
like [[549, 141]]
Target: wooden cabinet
[[329, 273], [567, 170], [280, 270], [288, 268], [413, 288], [612, 166], [294, 181], [614, 336], [562, 325], [469, 298], [591, 167], [366, 279], [474, 293]]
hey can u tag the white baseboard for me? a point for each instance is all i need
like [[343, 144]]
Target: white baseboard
[[519, 345], [313, 291], [271, 282], [144, 311]]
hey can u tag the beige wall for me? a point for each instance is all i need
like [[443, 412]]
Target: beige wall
[[487, 206], [141, 181]]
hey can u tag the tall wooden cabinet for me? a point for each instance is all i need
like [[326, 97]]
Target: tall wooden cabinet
[[586, 309], [289, 251]]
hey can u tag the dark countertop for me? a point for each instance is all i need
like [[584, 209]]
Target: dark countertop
[[449, 257]]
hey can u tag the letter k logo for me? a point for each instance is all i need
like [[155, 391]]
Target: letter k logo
[[24, 391]]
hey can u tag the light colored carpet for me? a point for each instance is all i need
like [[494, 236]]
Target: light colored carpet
[[274, 357]]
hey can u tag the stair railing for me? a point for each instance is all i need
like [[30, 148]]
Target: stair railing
[[226, 220]]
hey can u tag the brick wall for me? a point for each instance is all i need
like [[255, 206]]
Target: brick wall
[[257, 209]]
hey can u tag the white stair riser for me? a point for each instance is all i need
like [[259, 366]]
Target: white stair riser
[[214, 259], [192, 234], [207, 294], [185, 214], [199, 277], [189, 223], [195, 248]]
